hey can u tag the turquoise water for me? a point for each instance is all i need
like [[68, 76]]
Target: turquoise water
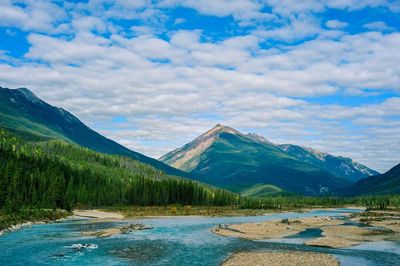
[[173, 241]]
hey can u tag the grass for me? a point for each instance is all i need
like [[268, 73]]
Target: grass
[[286, 221], [379, 232], [179, 210], [261, 190], [185, 210], [378, 215]]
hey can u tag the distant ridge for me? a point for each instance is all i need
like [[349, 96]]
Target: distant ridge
[[384, 184], [338, 165]]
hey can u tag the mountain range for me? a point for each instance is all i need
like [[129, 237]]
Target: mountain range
[[223, 157], [338, 165], [227, 158]]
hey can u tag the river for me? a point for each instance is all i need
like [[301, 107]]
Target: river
[[172, 241]]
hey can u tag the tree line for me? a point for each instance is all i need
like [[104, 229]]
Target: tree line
[[296, 202], [57, 174]]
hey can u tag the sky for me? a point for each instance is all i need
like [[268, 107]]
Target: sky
[[153, 75]]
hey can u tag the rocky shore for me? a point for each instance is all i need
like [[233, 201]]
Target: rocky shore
[[118, 230], [281, 258], [98, 216], [16, 227]]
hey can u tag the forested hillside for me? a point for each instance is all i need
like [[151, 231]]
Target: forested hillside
[[23, 112], [385, 184], [56, 174]]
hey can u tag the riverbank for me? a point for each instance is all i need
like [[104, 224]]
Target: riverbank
[[28, 217], [274, 229], [376, 225], [380, 218], [336, 233], [133, 212], [98, 214], [155, 212], [281, 258]]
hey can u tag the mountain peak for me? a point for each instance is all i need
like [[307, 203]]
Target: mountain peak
[[218, 128], [188, 156], [29, 94]]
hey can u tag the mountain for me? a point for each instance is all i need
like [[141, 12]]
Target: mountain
[[25, 114], [387, 183], [262, 190], [229, 159], [337, 165], [57, 174]]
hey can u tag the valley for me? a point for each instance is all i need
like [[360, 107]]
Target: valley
[[199, 133], [86, 194]]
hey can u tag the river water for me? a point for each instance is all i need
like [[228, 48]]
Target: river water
[[172, 241]]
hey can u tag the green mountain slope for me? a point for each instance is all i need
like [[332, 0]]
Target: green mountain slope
[[58, 174], [28, 116], [230, 159], [384, 184], [340, 166], [261, 190]]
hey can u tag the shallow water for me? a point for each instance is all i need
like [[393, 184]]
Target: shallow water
[[173, 241]]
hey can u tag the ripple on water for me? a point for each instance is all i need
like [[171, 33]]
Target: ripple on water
[[143, 251], [83, 226], [384, 246]]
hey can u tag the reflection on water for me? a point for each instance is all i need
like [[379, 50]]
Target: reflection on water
[[307, 234], [173, 241]]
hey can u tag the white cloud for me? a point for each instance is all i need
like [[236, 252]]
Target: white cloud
[[297, 28], [239, 9], [378, 26], [336, 24], [178, 21], [174, 87], [37, 15], [185, 39]]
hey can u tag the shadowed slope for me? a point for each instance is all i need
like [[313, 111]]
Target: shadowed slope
[[387, 183]]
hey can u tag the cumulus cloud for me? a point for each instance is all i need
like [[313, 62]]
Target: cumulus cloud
[[378, 26], [239, 9], [33, 15], [173, 84], [336, 24]]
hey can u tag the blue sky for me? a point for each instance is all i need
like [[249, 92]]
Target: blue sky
[[155, 74]]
